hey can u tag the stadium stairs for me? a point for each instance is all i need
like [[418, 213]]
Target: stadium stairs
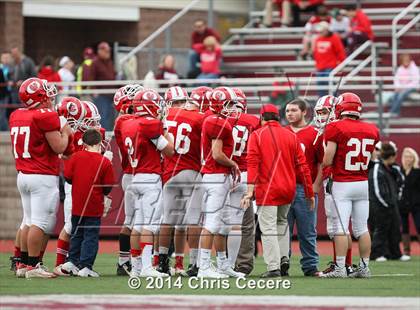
[[255, 51]]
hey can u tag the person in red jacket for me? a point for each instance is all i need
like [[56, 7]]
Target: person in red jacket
[[275, 158], [360, 27], [328, 52], [200, 33], [46, 70]]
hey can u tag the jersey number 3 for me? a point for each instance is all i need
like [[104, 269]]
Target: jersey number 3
[[15, 132], [360, 156]]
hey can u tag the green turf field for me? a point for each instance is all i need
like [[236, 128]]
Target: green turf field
[[390, 279]]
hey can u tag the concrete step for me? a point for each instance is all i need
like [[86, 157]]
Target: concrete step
[[9, 191]]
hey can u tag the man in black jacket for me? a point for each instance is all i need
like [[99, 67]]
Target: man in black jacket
[[383, 196]]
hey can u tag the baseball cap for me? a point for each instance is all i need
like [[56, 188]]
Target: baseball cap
[[269, 108]]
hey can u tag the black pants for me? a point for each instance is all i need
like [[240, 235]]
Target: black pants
[[84, 240], [386, 236], [296, 10], [415, 213]]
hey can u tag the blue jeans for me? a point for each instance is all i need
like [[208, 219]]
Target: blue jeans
[[207, 76], [323, 73], [84, 240], [398, 99], [4, 123], [106, 110], [193, 64], [305, 220]]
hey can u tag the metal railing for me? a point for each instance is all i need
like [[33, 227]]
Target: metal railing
[[165, 27], [370, 59], [396, 35]]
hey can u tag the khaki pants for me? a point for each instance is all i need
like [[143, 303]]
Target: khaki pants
[[274, 234], [245, 259]]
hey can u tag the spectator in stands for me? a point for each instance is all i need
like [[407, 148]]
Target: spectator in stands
[[311, 29], [47, 70], [24, 68], [200, 33], [340, 24], [383, 198], [406, 81], [210, 57], [328, 52], [299, 6], [83, 72], [167, 69], [66, 71], [360, 27], [102, 69], [5, 88], [285, 12], [410, 202]]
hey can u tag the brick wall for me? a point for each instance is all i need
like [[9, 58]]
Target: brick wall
[[11, 25]]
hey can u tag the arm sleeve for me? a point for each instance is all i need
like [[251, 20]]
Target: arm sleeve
[[48, 121], [253, 158], [302, 170], [397, 83], [341, 53], [378, 185], [108, 179], [198, 47]]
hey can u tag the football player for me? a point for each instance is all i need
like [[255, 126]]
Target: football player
[[182, 191], [217, 146], [300, 212], [123, 104], [243, 125], [350, 143], [145, 141], [200, 97], [323, 115], [176, 97], [38, 137]]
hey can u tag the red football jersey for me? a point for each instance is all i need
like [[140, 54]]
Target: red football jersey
[[88, 172], [33, 154], [216, 127], [185, 127], [125, 163], [313, 153], [137, 134], [242, 127], [355, 143]]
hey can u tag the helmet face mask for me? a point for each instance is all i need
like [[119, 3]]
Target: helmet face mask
[[124, 96], [324, 111], [241, 103], [200, 97], [73, 110], [92, 118], [223, 101]]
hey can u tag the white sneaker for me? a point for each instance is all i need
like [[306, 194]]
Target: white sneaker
[[70, 269], [210, 272], [405, 258], [360, 272], [381, 259], [335, 272], [86, 272], [231, 273], [151, 272], [38, 272], [135, 273], [21, 270], [59, 272]]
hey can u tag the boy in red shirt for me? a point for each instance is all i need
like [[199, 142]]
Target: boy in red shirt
[[210, 57], [92, 177]]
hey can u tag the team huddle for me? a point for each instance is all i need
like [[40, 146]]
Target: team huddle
[[184, 163]]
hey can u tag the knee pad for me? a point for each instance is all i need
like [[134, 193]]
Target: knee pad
[[359, 230]]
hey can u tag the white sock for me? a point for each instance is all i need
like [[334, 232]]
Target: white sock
[[123, 259], [136, 263], [146, 256], [163, 250], [221, 260], [193, 256], [233, 245], [340, 261], [364, 262], [205, 255]]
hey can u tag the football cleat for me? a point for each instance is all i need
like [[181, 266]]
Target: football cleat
[[21, 270], [38, 272], [70, 269], [331, 267], [192, 271], [124, 269], [13, 262], [163, 265], [86, 273], [335, 272], [231, 273], [151, 272], [59, 272], [210, 272], [284, 266], [135, 273], [360, 272]]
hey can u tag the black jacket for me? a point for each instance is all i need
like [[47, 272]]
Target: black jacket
[[383, 188], [411, 192]]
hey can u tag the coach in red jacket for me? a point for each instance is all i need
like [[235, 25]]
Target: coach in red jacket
[[274, 158], [328, 52]]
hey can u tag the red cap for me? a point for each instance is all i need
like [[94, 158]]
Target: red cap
[[269, 108]]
